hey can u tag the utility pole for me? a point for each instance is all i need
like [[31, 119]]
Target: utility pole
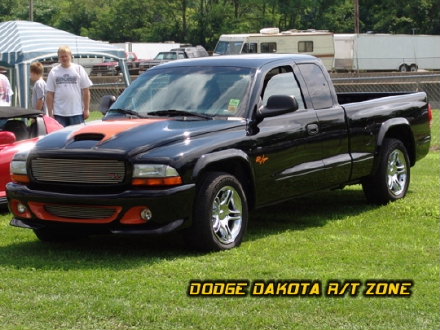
[[31, 10], [356, 16]]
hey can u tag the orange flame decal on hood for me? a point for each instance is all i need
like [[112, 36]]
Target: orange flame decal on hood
[[111, 128]]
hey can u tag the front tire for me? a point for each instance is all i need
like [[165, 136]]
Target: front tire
[[220, 213], [391, 179]]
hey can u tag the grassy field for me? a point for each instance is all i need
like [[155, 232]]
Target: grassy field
[[138, 283]]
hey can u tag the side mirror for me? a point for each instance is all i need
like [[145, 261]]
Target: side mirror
[[277, 105], [7, 137], [106, 103]]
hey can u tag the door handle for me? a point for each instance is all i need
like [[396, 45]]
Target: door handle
[[312, 129]]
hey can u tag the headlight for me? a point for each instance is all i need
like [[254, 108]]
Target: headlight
[[155, 175], [18, 168]]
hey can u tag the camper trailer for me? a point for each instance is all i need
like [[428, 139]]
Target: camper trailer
[[386, 52], [270, 40]]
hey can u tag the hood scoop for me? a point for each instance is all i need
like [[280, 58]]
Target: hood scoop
[[89, 137], [85, 141]]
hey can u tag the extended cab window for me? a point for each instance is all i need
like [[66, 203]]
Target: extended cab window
[[281, 81], [268, 47], [317, 85]]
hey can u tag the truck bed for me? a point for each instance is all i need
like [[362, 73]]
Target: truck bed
[[344, 98]]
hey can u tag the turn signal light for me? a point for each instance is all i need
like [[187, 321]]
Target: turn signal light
[[168, 181], [20, 178]]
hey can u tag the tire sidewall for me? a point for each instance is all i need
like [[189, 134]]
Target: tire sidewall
[[202, 228], [390, 145]]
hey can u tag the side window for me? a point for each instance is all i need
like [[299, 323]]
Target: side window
[[268, 47], [305, 46], [249, 48], [317, 85], [281, 81]]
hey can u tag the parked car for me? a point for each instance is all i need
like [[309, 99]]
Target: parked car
[[173, 54], [193, 145], [110, 67], [19, 130]]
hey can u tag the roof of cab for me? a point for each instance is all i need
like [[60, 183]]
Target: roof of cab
[[248, 60]]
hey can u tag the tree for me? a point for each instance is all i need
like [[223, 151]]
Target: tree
[[203, 21]]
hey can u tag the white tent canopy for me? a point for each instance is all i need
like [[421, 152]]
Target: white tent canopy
[[23, 42]]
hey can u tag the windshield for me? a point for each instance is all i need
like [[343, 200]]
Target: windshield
[[212, 91], [228, 47]]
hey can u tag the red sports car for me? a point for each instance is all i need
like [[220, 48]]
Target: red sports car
[[19, 130]]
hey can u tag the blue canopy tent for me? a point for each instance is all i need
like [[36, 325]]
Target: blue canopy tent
[[23, 42]]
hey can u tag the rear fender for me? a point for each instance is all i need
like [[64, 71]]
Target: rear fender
[[387, 125], [398, 128]]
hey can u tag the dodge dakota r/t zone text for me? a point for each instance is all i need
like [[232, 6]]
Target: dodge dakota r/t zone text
[[193, 145]]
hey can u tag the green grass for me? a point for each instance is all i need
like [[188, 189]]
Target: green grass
[[94, 115], [138, 283]]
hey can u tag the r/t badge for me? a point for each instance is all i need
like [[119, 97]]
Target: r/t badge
[[262, 159]]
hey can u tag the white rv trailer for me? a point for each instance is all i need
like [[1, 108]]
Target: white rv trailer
[[385, 52], [270, 40]]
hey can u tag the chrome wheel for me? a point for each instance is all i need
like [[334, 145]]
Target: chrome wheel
[[227, 215], [390, 181], [396, 172], [220, 213]]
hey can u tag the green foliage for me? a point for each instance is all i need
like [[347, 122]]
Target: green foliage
[[202, 21], [13, 10]]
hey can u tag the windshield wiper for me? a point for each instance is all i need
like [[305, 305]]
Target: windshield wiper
[[128, 112], [174, 113]]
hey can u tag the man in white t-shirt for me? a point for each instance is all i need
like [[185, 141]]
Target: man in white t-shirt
[[5, 89], [68, 93]]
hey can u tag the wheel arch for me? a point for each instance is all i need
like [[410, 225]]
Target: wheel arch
[[232, 161], [400, 129]]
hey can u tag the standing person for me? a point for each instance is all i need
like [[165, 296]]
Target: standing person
[[39, 89], [68, 94], [5, 89]]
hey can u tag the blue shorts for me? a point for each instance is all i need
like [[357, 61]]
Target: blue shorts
[[71, 120]]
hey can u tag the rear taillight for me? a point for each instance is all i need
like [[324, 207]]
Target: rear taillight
[[430, 116]]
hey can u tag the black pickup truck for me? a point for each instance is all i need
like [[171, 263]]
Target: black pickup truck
[[193, 145]]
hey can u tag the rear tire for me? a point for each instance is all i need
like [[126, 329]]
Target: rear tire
[[391, 179], [220, 214], [404, 68], [413, 68]]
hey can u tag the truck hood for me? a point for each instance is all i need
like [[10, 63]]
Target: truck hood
[[131, 136], [154, 62]]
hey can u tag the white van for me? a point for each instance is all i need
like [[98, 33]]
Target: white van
[[270, 40]]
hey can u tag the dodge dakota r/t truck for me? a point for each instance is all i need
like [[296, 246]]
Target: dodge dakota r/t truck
[[193, 145]]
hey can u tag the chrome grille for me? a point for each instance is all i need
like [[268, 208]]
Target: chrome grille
[[80, 212], [78, 170]]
